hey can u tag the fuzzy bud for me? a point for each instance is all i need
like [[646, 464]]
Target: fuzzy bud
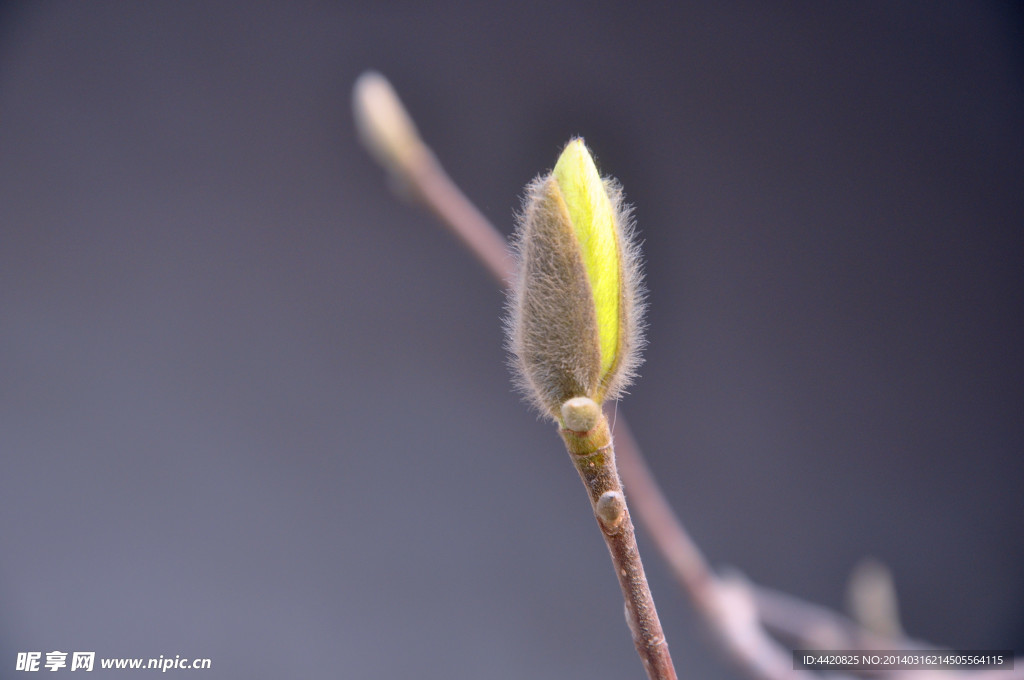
[[576, 304]]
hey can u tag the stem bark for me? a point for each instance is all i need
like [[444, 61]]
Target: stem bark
[[594, 456]]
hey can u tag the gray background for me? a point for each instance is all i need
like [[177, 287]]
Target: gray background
[[255, 409]]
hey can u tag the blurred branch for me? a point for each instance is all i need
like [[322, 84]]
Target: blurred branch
[[739, 614], [871, 599], [391, 137]]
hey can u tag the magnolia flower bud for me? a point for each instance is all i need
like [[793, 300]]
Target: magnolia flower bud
[[576, 304]]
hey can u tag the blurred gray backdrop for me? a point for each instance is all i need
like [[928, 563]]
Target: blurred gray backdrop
[[254, 408]]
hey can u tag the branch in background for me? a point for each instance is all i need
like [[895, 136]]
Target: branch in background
[[391, 137], [739, 613]]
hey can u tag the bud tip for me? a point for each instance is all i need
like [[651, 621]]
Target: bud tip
[[384, 125]]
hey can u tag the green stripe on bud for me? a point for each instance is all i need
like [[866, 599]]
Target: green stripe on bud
[[593, 219], [575, 307]]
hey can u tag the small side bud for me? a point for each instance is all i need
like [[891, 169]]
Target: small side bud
[[576, 305], [384, 126], [580, 414], [610, 508]]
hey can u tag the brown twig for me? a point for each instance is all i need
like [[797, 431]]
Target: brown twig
[[737, 612], [592, 452]]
